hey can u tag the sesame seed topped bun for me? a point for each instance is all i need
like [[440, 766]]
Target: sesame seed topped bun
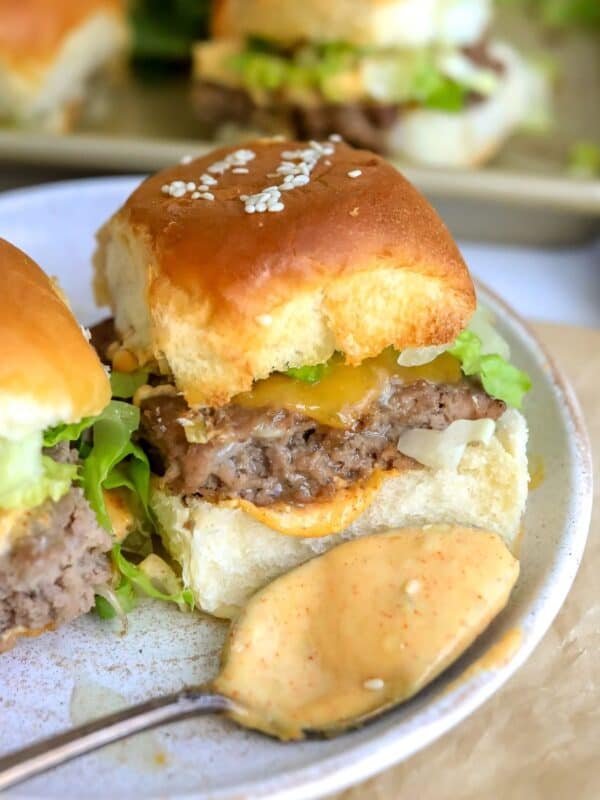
[[253, 260], [49, 373]]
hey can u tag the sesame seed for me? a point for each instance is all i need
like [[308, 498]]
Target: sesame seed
[[195, 195], [187, 159], [374, 684], [335, 137], [355, 173], [207, 196], [203, 187], [261, 206], [301, 180], [412, 586], [190, 186], [208, 180], [250, 208], [276, 207], [165, 189], [241, 171], [219, 167]]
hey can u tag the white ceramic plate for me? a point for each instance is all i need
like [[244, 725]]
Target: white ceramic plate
[[87, 669]]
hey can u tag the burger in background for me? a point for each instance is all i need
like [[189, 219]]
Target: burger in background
[[50, 50], [401, 77]]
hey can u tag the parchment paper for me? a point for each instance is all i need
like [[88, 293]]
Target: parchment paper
[[539, 737]]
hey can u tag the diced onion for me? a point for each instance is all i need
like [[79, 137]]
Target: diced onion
[[444, 449], [415, 356]]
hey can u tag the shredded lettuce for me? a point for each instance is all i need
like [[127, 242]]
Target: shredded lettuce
[[144, 583], [436, 90], [27, 477], [116, 602], [67, 433], [385, 75], [103, 467], [309, 374], [125, 384], [499, 378]]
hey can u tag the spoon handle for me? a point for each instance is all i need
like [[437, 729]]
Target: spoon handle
[[48, 753]]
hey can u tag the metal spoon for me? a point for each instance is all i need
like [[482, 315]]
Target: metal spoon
[[330, 644]]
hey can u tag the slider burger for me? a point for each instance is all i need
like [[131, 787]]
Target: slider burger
[[49, 51], [403, 77], [314, 366], [52, 548]]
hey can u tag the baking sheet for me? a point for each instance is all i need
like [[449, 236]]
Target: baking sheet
[[525, 195]]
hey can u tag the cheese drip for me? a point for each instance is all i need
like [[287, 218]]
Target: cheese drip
[[338, 398]]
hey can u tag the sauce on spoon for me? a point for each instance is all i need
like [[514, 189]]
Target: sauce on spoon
[[363, 627]]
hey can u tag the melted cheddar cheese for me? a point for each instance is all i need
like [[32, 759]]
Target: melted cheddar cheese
[[336, 399]]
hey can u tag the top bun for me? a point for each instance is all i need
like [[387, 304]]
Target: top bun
[[352, 259], [401, 23], [49, 373]]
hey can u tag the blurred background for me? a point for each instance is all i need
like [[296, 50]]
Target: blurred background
[[491, 108]]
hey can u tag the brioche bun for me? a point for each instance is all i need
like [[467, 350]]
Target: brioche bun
[[49, 373], [48, 50], [224, 297], [226, 554], [405, 23]]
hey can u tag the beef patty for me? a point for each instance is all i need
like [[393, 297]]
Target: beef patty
[[48, 575], [267, 455]]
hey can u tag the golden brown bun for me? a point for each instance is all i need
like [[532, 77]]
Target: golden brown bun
[[49, 373], [227, 297], [407, 23], [32, 31]]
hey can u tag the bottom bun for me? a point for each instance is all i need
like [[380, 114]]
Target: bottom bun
[[471, 137], [226, 554]]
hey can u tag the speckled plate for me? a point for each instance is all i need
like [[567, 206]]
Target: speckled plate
[[88, 669]]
